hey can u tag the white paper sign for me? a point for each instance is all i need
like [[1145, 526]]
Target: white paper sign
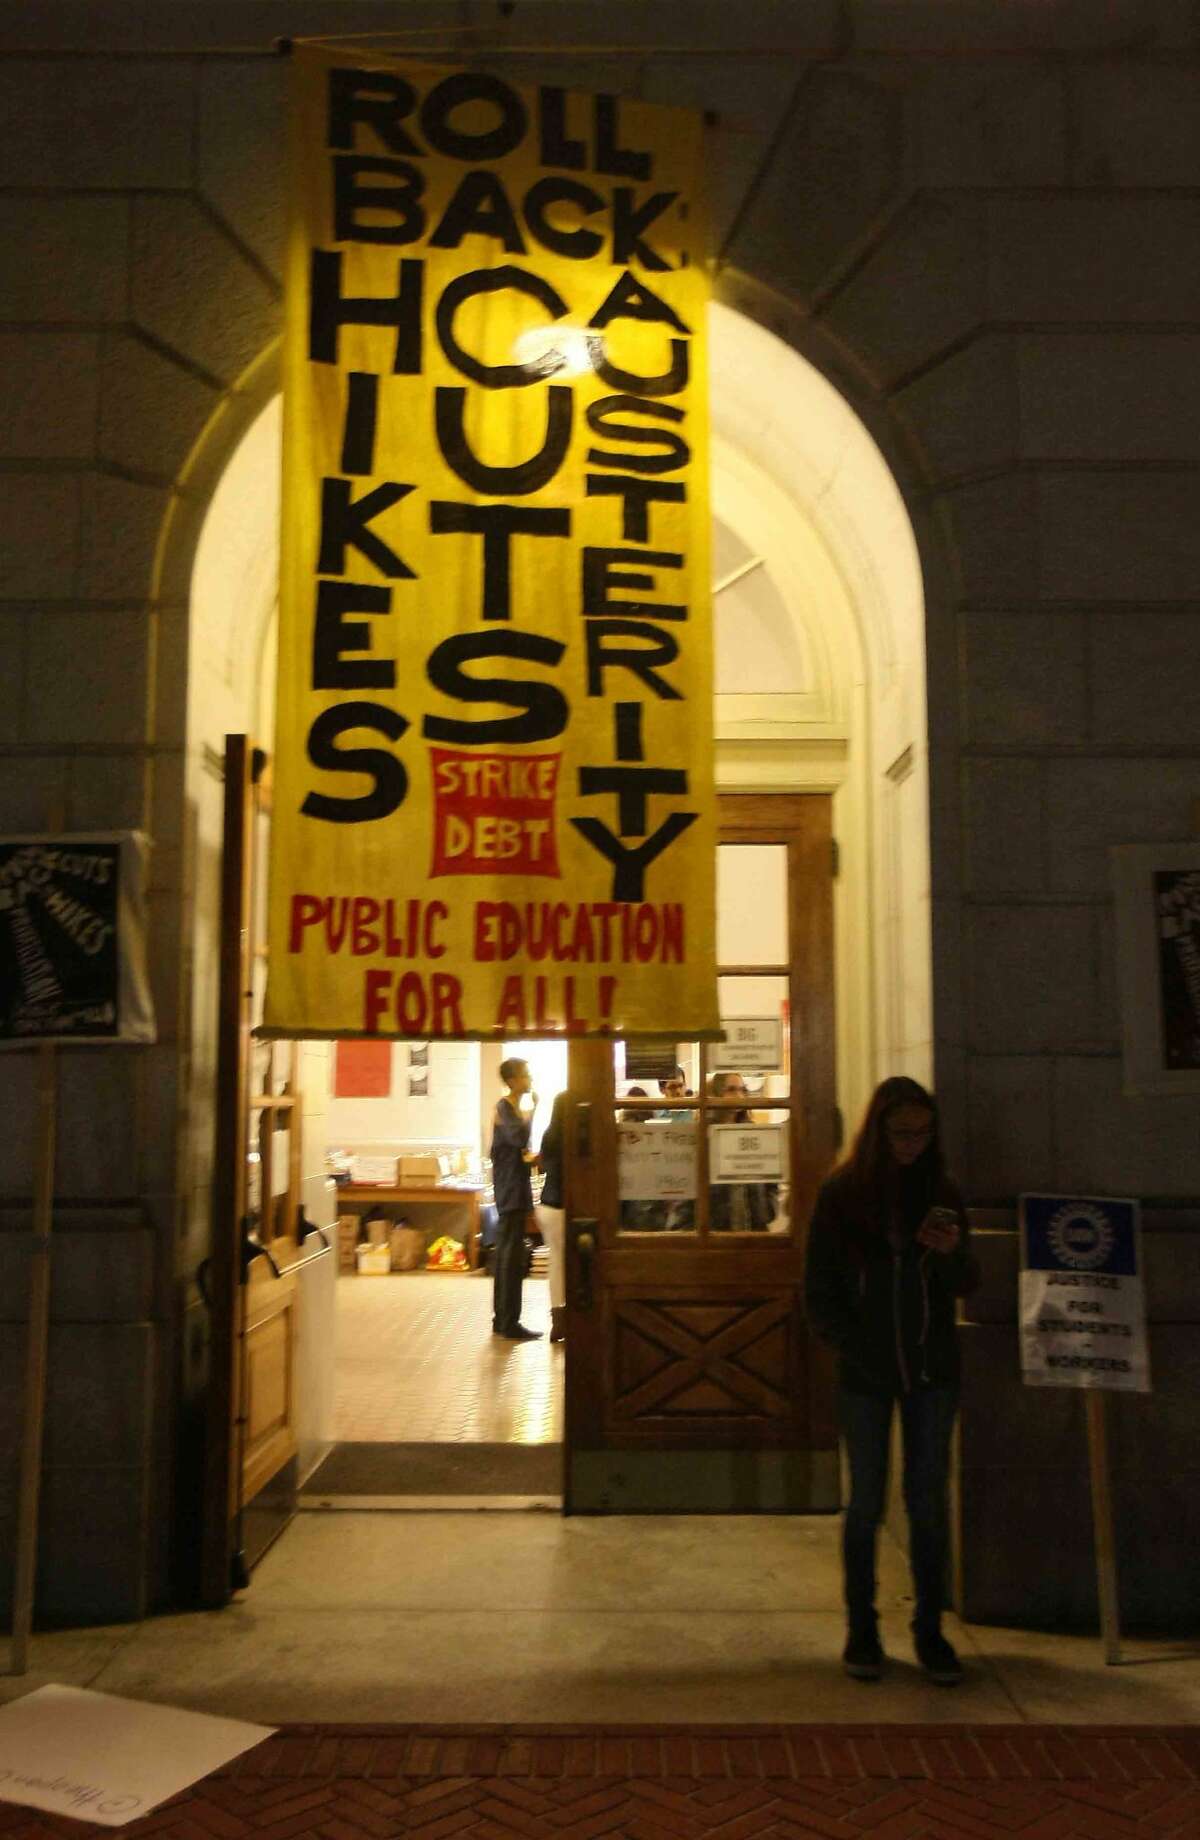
[[1082, 1310], [104, 1759], [746, 1153], [753, 1044], [656, 1159]]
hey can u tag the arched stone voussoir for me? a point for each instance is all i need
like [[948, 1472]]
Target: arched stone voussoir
[[194, 289], [839, 167]]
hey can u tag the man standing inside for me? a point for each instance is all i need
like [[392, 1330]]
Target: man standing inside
[[511, 1158]]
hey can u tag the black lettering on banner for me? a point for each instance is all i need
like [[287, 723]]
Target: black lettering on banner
[[362, 419], [479, 207], [611, 158], [630, 298], [601, 575], [330, 309], [345, 521], [334, 635], [629, 220], [528, 475], [666, 383], [633, 786], [545, 707], [630, 865], [636, 496], [578, 245], [675, 450], [652, 646], [498, 524], [557, 147], [376, 98], [400, 199], [465, 87], [627, 722], [388, 774], [494, 281]]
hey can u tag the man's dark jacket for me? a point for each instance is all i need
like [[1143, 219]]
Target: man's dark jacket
[[887, 1304]]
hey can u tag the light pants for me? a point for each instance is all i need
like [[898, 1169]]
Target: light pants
[[553, 1223]]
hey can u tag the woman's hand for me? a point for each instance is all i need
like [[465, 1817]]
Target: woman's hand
[[939, 1230]]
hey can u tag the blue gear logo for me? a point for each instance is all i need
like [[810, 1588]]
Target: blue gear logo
[[1081, 1236]]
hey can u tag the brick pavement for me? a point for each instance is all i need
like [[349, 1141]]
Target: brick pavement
[[752, 1782]]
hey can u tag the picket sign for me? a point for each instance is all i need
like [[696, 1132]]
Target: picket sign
[[1083, 1324]]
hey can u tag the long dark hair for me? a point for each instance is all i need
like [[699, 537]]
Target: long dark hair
[[870, 1166]]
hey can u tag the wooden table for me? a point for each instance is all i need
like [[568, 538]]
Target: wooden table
[[440, 1194]]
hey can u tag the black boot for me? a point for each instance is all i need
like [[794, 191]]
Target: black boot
[[863, 1657]]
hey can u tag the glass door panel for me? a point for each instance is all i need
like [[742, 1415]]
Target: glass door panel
[[752, 904]]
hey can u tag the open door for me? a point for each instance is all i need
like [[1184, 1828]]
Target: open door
[[691, 1382], [251, 1286]]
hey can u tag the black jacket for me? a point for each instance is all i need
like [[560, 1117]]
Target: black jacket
[[888, 1310], [552, 1154]]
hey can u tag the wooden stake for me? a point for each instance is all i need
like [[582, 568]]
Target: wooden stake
[[35, 1359], [1102, 1527]]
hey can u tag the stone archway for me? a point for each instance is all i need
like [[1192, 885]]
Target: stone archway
[[802, 484]]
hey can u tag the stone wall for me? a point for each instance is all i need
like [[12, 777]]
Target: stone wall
[[980, 220]]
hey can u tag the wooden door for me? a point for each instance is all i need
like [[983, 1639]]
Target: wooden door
[[691, 1381], [253, 1291]]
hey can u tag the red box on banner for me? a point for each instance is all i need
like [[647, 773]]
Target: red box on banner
[[493, 814]]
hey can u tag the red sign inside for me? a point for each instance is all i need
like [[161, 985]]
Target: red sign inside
[[362, 1069], [493, 814]]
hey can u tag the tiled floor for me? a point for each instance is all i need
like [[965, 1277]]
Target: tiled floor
[[417, 1363]]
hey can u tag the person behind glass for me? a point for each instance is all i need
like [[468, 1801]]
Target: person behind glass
[[550, 1214], [738, 1207], [888, 1255], [511, 1159], [676, 1216]]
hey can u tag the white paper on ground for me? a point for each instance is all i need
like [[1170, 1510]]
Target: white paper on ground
[[106, 1759]]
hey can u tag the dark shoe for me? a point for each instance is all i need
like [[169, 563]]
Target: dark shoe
[[522, 1334], [558, 1323], [938, 1659], [862, 1657]]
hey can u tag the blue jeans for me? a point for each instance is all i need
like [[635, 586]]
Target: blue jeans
[[509, 1271], [926, 1424]]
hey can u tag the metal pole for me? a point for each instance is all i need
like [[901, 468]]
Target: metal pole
[[35, 1360], [1102, 1527]]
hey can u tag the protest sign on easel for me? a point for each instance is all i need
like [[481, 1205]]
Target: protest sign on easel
[[72, 970], [1083, 1324]]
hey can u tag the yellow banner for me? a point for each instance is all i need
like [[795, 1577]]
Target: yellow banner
[[492, 803]]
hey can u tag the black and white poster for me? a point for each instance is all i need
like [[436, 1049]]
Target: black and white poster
[[72, 939], [1177, 908], [1157, 898]]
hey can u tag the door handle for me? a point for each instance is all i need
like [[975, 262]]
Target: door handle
[[583, 1239], [583, 1129], [253, 1248]]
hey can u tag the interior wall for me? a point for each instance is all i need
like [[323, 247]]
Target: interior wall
[[449, 1113]]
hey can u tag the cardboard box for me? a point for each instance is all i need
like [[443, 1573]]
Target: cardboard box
[[374, 1261], [424, 1168], [348, 1226], [378, 1169]]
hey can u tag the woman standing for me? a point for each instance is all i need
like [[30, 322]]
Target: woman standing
[[888, 1256], [551, 1216]]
